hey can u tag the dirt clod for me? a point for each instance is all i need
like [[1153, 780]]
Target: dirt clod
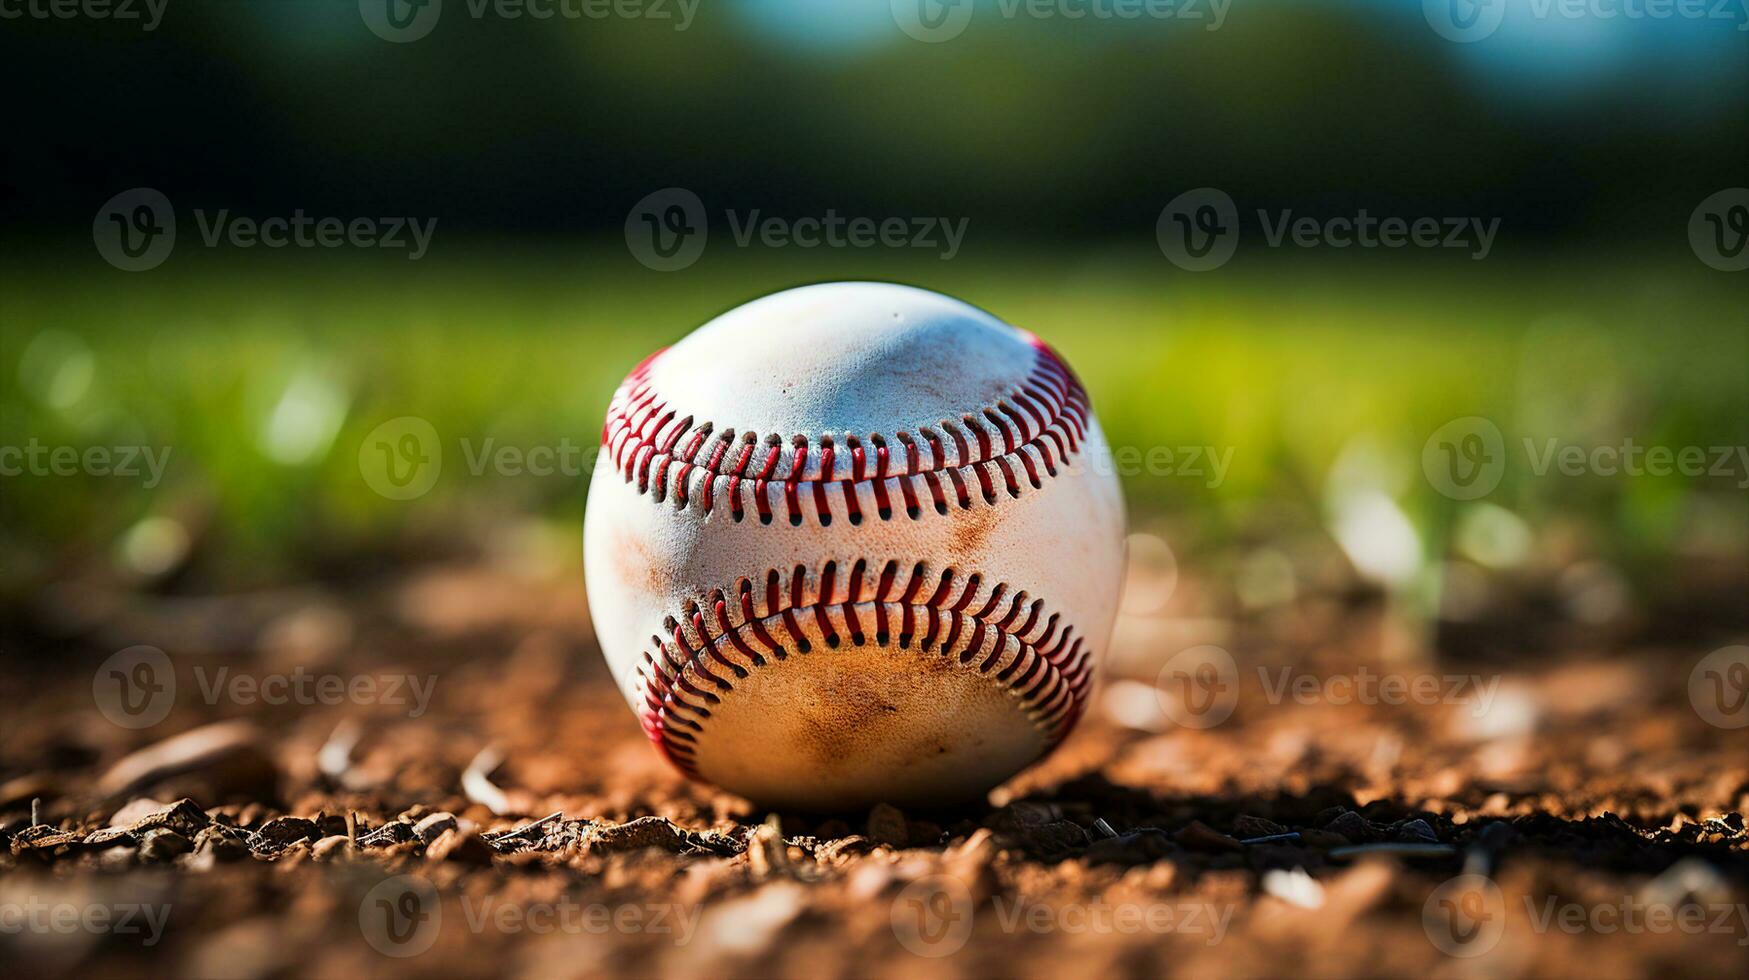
[[461, 846], [1199, 836], [163, 844], [886, 823]]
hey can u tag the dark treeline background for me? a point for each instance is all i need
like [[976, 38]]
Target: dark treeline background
[[1588, 130]]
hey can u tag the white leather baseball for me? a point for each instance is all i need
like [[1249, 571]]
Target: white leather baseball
[[844, 544]]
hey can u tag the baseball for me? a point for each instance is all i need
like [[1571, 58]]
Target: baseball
[[845, 544]]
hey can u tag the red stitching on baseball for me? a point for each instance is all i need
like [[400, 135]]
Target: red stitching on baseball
[[1042, 421], [1047, 667]]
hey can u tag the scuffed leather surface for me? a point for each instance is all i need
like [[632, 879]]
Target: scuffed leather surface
[[844, 727]]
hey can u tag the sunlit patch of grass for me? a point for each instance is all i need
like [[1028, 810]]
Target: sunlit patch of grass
[[1281, 367]]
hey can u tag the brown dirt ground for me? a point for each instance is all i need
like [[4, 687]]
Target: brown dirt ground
[[1592, 783]]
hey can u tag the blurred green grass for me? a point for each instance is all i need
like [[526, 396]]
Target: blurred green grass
[[263, 374]]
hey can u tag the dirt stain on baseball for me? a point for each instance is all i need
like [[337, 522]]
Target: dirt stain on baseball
[[966, 535], [634, 564]]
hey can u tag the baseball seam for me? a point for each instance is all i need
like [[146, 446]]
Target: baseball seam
[[991, 629], [1040, 423]]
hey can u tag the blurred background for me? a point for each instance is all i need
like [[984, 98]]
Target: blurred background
[[310, 311], [527, 146]]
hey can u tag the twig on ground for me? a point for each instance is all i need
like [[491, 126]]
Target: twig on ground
[[477, 781], [334, 759], [525, 828], [1292, 835], [1400, 850]]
